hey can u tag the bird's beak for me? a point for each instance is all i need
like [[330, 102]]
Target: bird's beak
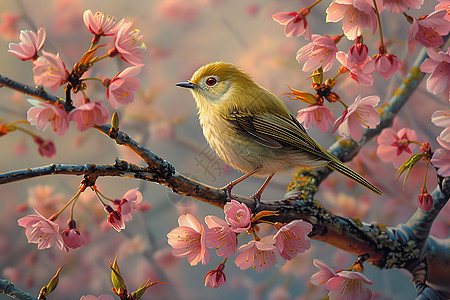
[[188, 85]]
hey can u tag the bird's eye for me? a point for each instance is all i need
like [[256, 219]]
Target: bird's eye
[[211, 81]]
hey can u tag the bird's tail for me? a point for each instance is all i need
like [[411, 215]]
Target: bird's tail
[[338, 166]]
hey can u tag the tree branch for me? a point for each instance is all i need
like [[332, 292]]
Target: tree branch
[[8, 288]]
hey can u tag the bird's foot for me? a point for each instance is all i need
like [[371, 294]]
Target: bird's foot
[[257, 198], [228, 189]]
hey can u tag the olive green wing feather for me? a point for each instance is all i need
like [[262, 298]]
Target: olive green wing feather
[[276, 131], [244, 123]]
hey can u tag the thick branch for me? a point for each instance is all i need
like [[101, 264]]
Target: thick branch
[[386, 247], [8, 288], [177, 182]]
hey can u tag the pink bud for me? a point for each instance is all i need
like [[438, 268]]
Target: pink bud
[[425, 201], [71, 236]]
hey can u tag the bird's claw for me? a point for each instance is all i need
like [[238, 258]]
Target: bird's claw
[[228, 189], [257, 198]]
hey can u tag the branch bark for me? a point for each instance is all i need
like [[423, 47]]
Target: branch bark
[[8, 288]]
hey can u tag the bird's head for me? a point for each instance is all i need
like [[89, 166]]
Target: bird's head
[[217, 82]]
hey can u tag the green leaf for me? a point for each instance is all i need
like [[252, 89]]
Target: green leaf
[[46, 290], [144, 286], [407, 166], [116, 277]]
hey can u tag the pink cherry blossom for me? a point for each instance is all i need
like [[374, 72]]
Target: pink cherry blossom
[[101, 297], [320, 52], [444, 4], [129, 204], [441, 160], [355, 14], [355, 61], [349, 285], [220, 236], [44, 114], [444, 138], [395, 146], [386, 64], [438, 64], [129, 45], [359, 114], [30, 44], [100, 23], [122, 87], [428, 30], [8, 28], [50, 71], [400, 6], [441, 118], [42, 231], [425, 201], [325, 273], [71, 236], [188, 240], [238, 216], [114, 219], [46, 147], [259, 255], [88, 115], [292, 239], [295, 23], [316, 114], [216, 278]]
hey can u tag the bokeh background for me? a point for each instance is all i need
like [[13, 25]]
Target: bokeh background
[[181, 36]]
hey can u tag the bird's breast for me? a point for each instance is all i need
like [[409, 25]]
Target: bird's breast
[[239, 150]]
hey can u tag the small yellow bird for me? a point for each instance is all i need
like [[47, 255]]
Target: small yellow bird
[[252, 130]]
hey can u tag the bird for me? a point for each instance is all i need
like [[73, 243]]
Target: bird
[[252, 130]]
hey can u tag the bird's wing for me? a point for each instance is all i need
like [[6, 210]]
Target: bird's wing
[[276, 131], [244, 123], [286, 131]]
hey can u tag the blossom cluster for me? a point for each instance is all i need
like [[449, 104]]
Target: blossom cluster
[[192, 240], [358, 15], [128, 205], [45, 232], [360, 114], [398, 146], [50, 71]]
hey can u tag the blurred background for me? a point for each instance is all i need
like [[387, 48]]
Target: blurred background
[[182, 36]]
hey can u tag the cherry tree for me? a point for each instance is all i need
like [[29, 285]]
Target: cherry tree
[[93, 96]]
